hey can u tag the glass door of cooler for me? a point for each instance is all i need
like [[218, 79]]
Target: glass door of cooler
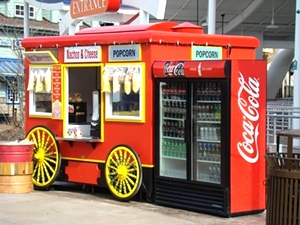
[[172, 126], [206, 117]]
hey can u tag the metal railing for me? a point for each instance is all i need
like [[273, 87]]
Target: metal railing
[[280, 116]]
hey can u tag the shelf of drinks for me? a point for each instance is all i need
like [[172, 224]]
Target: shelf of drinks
[[173, 138], [173, 148], [211, 178], [208, 141], [208, 161], [208, 121], [208, 152], [209, 101], [173, 100], [209, 172], [173, 118], [176, 156], [208, 133], [173, 173]]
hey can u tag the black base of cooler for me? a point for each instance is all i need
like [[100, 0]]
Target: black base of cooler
[[192, 197]]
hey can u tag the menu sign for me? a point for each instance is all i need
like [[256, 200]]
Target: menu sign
[[56, 92], [82, 54]]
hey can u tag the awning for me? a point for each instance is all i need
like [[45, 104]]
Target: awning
[[11, 67], [40, 57]]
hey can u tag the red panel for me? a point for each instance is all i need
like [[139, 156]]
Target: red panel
[[80, 172], [234, 47], [248, 136], [163, 26], [189, 69]]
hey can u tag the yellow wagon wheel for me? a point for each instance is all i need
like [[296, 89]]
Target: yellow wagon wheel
[[46, 156], [123, 172]]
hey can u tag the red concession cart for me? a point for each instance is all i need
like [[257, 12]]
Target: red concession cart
[[161, 109]]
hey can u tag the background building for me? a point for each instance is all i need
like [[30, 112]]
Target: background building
[[41, 23]]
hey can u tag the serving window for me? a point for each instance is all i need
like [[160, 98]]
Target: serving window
[[124, 88], [40, 91]]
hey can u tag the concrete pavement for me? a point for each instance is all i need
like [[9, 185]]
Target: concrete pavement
[[72, 206]]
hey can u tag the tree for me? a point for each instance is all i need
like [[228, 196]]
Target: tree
[[13, 30], [15, 84]]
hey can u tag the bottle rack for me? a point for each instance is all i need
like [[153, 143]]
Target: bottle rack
[[207, 114], [173, 116], [208, 139], [211, 174], [174, 148]]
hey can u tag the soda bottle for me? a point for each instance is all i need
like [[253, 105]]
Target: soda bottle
[[211, 112], [168, 128], [218, 133], [202, 91], [209, 133], [204, 151], [167, 148], [218, 112], [218, 91], [165, 90], [205, 136], [202, 133], [179, 110], [198, 94], [164, 128], [214, 134], [213, 148], [208, 152], [214, 88], [200, 150], [183, 92], [183, 110], [206, 92], [164, 148]]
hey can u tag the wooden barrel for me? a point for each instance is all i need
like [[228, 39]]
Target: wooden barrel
[[16, 178], [11, 169], [16, 167]]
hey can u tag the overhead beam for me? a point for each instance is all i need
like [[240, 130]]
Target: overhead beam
[[240, 18], [278, 44]]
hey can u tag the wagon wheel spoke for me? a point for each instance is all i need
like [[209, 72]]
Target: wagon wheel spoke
[[123, 172], [46, 156]]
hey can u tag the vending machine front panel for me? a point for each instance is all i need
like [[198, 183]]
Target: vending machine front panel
[[209, 175], [248, 139], [172, 129], [206, 117]]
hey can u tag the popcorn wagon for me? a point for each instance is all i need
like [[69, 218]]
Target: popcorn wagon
[[161, 109]]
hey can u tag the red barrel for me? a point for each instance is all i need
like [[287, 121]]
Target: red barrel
[[16, 167], [16, 151]]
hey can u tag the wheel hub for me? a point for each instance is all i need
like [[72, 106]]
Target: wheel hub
[[122, 172], [40, 155]]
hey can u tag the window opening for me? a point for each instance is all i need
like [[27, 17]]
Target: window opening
[[20, 11]]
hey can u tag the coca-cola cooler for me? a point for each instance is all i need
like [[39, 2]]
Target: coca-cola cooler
[[210, 135]]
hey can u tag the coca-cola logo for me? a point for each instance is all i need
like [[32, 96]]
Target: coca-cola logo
[[174, 69], [248, 103]]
